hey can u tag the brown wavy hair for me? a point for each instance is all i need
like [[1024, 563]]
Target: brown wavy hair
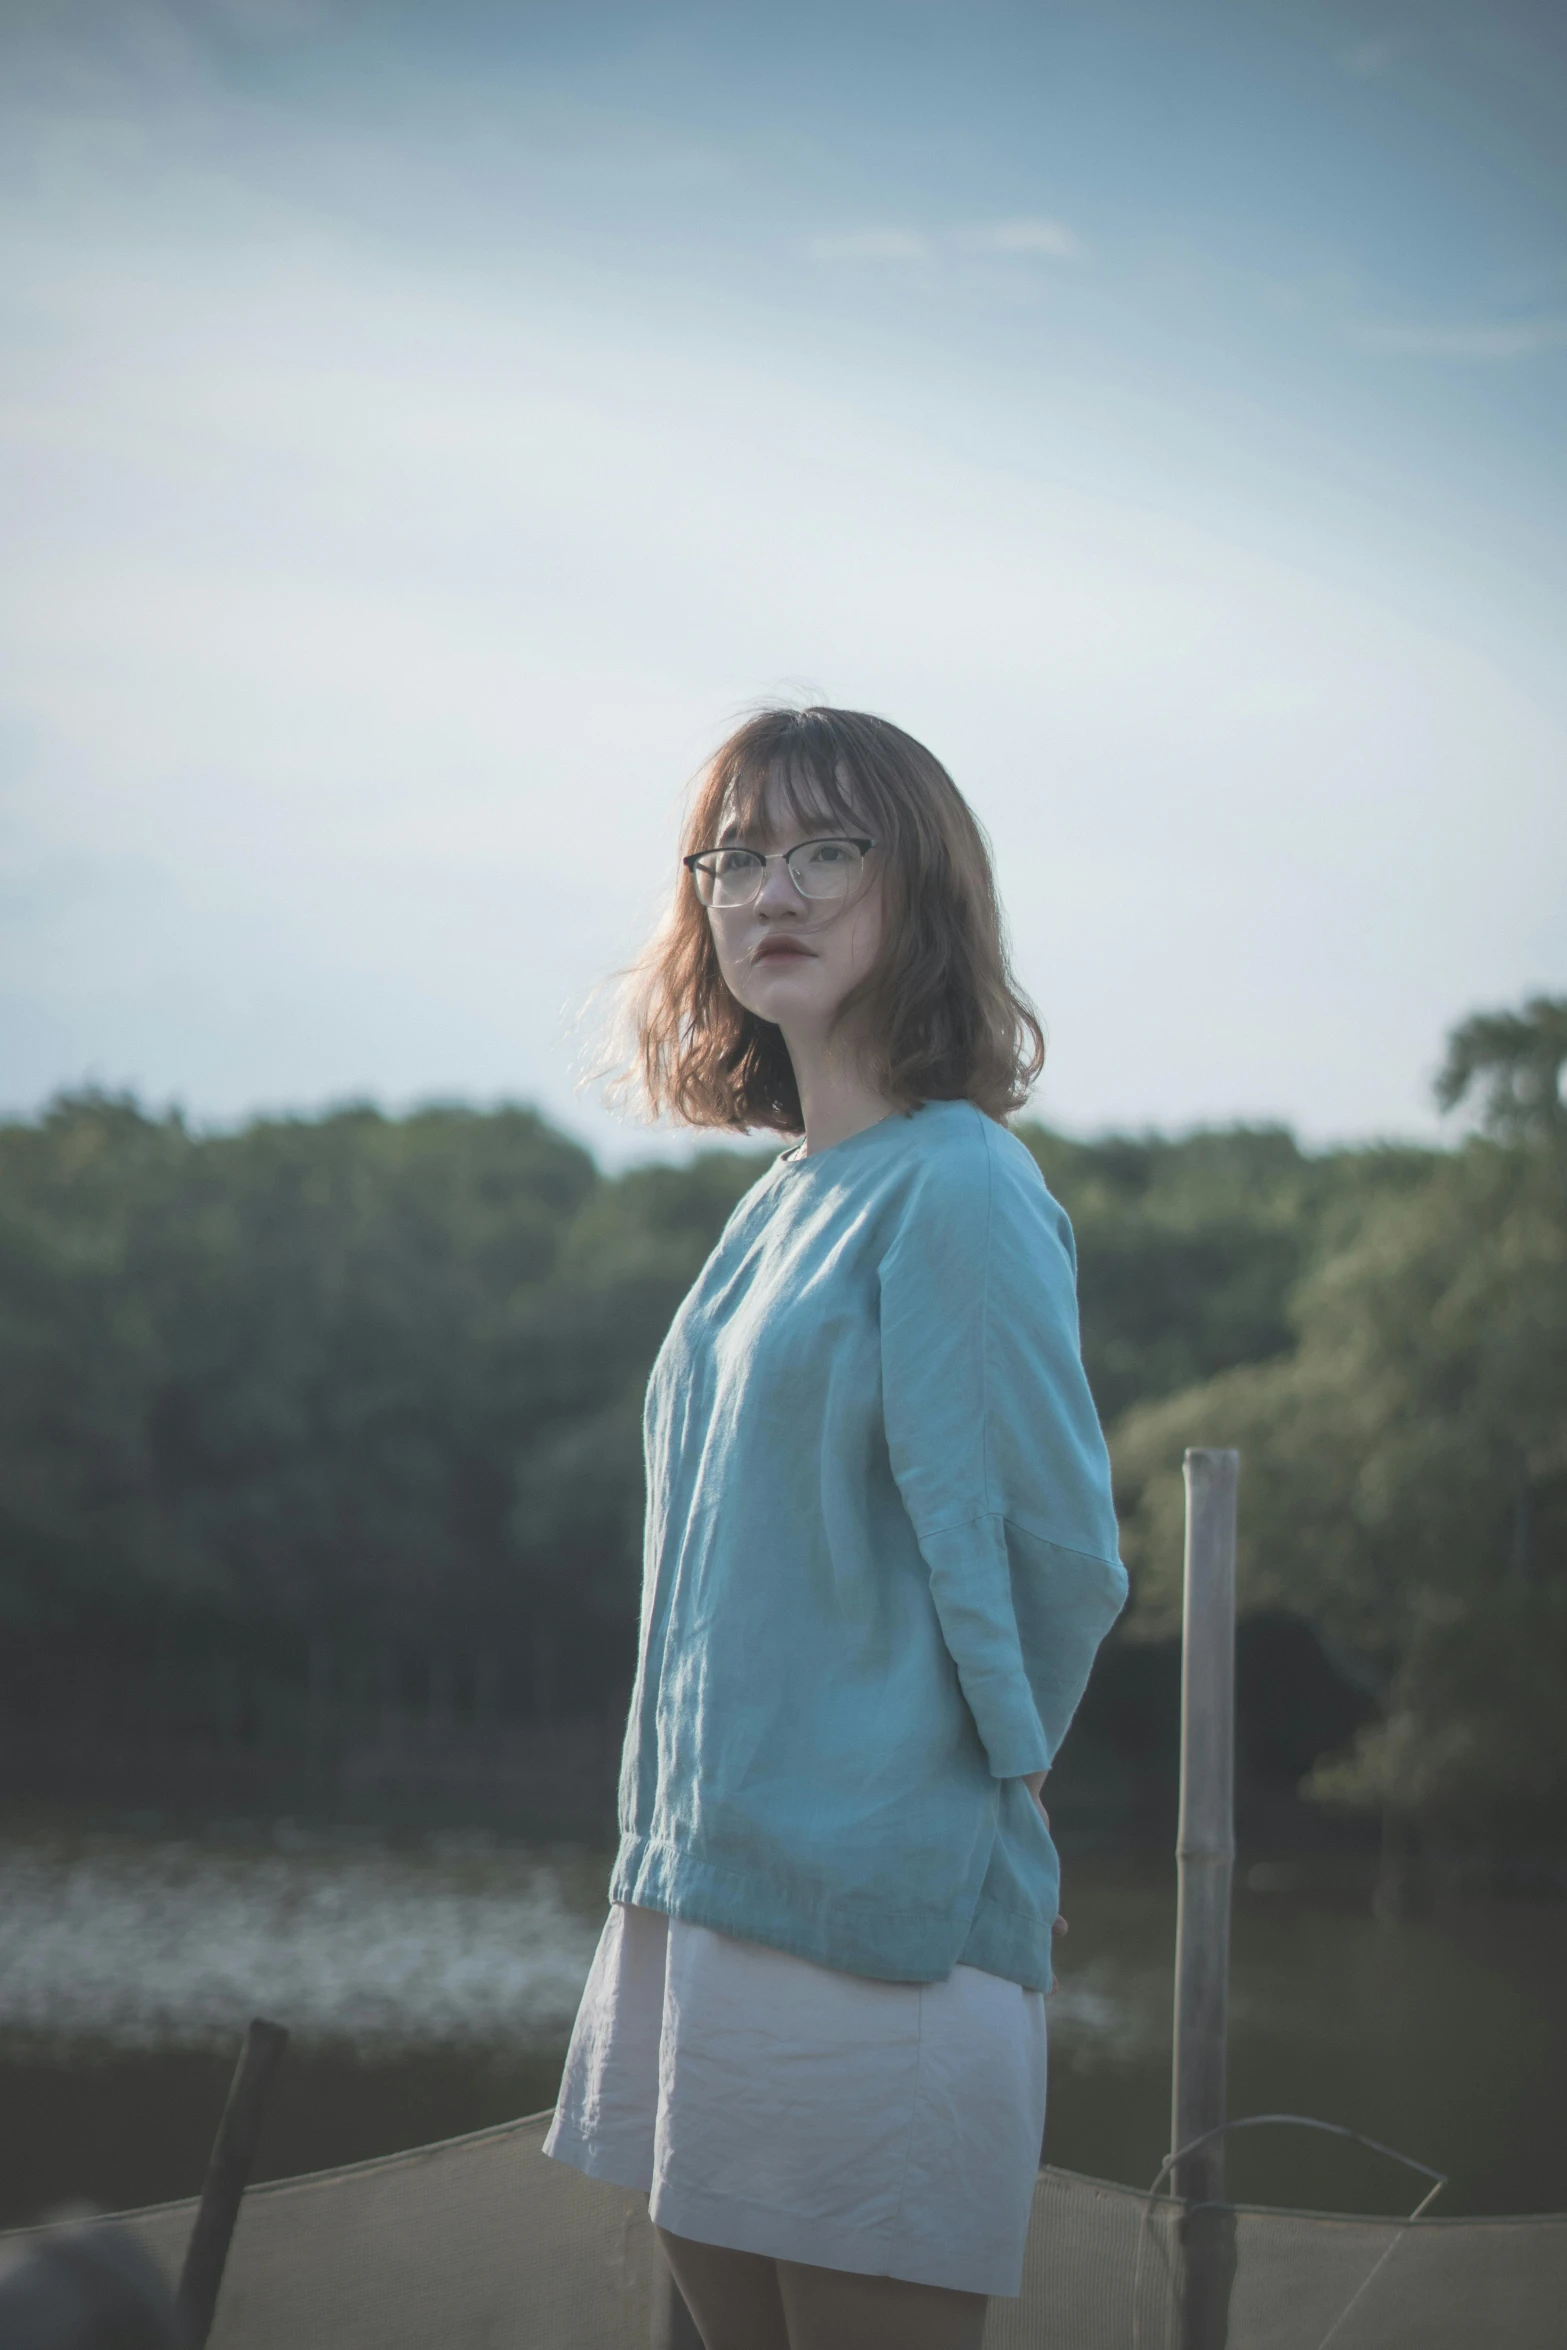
[[943, 1017]]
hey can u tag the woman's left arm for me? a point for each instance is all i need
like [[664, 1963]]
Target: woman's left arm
[[996, 1447]]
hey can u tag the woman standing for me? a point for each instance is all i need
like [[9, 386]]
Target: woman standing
[[880, 1555]]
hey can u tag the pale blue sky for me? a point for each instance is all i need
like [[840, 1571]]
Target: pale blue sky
[[423, 428]]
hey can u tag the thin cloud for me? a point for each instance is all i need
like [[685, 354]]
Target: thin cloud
[[1030, 238], [1525, 340], [1050, 240]]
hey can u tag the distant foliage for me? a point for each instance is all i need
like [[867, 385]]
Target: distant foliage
[[1189, 1250], [1514, 1062], [361, 1396], [1404, 1483], [362, 1381]]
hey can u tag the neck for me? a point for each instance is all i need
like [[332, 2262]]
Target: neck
[[835, 1099]]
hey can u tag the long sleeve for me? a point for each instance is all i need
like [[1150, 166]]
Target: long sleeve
[[995, 1445]]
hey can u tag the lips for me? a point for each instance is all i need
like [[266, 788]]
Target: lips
[[774, 950]]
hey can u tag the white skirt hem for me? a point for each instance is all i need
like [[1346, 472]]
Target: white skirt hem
[[613, 2165], [815, 2243], [781, 2235]]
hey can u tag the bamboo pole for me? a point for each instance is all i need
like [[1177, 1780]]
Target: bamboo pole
[[1205, 1860], [233, 2152]]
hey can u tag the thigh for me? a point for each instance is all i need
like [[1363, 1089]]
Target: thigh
[[832, 2309], [733, 2296]]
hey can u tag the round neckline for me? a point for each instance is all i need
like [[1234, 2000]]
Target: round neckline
[[795, 1161]]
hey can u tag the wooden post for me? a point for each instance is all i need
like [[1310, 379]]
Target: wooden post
[[1205, 1860], [233, 2152]]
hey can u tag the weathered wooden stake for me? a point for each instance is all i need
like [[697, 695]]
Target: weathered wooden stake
[[233, 2152], [1205, 1860]]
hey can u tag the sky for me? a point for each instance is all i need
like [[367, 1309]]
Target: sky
[[425, 430]]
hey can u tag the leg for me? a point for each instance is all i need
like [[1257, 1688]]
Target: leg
[[832, 2309], [733, 2296]]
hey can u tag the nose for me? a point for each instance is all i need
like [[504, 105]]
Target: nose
[[778, 894]]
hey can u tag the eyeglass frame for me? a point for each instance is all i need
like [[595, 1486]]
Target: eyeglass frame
[[765, 857]]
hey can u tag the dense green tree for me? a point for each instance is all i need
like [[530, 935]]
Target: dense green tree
[[1404, 1486], [349, 1385], [1189, 1248], [1514, 1062], [80, 1351]]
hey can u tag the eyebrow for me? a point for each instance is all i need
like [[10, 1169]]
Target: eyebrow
[[821, 827]]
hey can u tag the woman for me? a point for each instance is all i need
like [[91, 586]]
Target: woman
[[880, 1554]]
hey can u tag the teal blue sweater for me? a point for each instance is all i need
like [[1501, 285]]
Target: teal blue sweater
[[880, 1555]]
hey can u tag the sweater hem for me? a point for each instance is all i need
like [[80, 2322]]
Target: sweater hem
[[851, 1937], [1008, 1943], [886, 1946]]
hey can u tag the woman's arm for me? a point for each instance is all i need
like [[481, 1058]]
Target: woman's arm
[[995, 1446]]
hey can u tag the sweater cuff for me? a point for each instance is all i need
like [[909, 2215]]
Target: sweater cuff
[[1013, 1746]]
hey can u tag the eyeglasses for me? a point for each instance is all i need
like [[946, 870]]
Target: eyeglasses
[[818, 868]]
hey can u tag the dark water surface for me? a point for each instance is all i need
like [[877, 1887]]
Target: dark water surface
[[429, 1985]]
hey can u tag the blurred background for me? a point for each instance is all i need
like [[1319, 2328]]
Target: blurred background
[[424, 430]]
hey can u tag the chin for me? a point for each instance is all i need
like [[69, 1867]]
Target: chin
[[780, 986]]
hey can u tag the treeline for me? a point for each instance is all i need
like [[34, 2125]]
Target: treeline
[[355, 1388], [350, 1406], [1405, 1459]]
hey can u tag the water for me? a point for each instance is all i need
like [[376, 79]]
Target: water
[[141, 1946], [429, 1984]]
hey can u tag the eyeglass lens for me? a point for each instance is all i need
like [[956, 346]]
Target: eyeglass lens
[[818, 869]]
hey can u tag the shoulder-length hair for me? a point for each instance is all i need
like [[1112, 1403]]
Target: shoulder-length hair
[[942, 1017]]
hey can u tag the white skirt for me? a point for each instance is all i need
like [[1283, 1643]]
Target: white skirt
[[779, 2107]]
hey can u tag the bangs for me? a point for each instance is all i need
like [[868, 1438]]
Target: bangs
[[812, 782]]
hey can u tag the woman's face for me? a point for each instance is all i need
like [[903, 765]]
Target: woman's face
[[789, 958]]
